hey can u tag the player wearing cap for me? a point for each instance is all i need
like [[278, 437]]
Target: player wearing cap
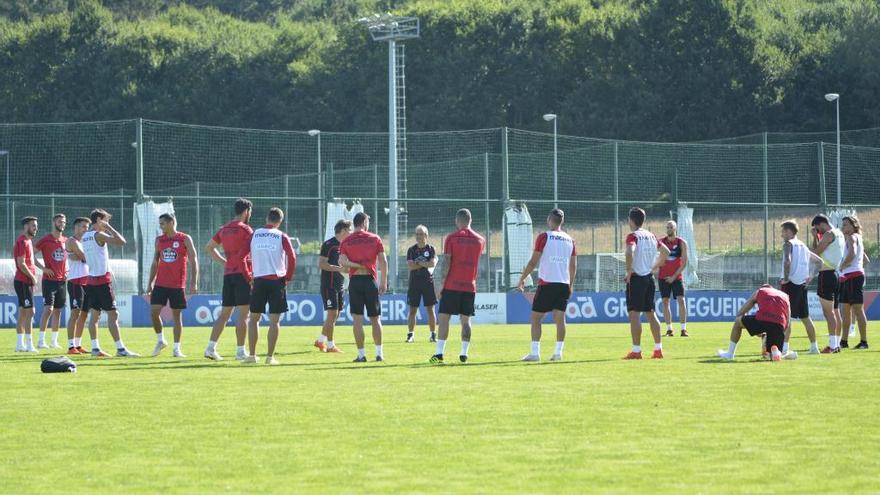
[[360, 253], [235, 239], [556, 258], [54, 267], [174, 251], [274, 263], [458, 279]]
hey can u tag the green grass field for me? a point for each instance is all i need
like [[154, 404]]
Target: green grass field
[[321, 424]]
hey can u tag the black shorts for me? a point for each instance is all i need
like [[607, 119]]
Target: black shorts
[[550, 297], [236, 290], [640, 293], [797, 299], [419, 292], [852, 290], [25, 293], [675, 289], [828, 287], [363, 293], [174, 297], [54, 294], [455, 302], [100, 298], [775, 332], [271, 292], [333, 298], [77, 295]]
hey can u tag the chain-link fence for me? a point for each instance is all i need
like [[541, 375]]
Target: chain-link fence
[[740, 188]]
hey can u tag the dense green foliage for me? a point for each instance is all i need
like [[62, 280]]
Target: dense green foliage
[[636, 69], [321, 424]]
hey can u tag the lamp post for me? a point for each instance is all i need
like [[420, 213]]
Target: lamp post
[[552, 117], [317, 134], [836, 99]]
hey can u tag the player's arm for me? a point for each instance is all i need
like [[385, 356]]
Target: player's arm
[[865, 259], [214, 253], [73, 250], [431, 263], [440, 280], [114, 238], [786, 261], [850, 255], [748, 305], [383, 277], [347, 263], [630, 252], [684, 260], [529, 268], [819, 246], [194, 257], [661, 259], [412, 264], [324, 264], [43, 268], [572, 271], [154, 269], [291, 257], [19, 262]]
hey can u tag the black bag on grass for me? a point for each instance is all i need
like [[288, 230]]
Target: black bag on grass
[[60, 364]]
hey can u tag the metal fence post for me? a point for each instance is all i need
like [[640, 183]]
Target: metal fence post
[[616, 201], [287, 204], [505, 196], [121, 217], [766, 213], [199, 224], [139, 145], [488, 224], [376, 195], [823, 198]]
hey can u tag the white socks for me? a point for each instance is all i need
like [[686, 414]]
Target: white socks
[[322, 338], [95, 344], [814, 347], [119, 345], [379, 350], [238, 349], [637, 348], [77, 342], [361, 353], [441, 346], [42, 337], [54, 338], [212, 346], [20, 340], [28, 340], [465, 345], [330, 344], [658, 347], [731, 348], [536, 348], [785, 347], [71, 343], [833, 341], [684, 326], [177, 347], [160, 337], [559, 346]]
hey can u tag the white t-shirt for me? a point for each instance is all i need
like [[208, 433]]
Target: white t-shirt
[[646, 251], [556, 248], [269, 248], [97, 256], [857, 264], [799, 271]]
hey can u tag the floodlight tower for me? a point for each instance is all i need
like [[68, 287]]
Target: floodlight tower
[[394, 30]]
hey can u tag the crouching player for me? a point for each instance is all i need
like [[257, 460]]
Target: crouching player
[[774, 313]]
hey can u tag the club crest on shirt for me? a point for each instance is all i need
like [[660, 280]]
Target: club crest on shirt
[[169, 255], [58, 254], [175, 244]]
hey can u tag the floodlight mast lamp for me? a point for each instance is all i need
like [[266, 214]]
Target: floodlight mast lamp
[[836, 99], [391, 29]]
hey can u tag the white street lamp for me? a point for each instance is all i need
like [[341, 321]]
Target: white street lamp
[[836, 99], [552, 117]]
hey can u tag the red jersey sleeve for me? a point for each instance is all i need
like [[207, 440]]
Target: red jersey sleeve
[[540, 242], [18, 251], [447, 245], [630, 239], [291, 257], [381, 247], [216, 237]]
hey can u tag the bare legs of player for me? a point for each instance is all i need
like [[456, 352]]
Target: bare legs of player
[[357, 327], [71, 323], [330, 324], [831, 321], [177, 315], [443, 327], [155, 316], [377, 330], [272, 335], [55, 315], [253, 333], [848, 311]]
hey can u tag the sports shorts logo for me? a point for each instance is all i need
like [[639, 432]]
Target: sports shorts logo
[[427, 254], [169, 255], [58, 255]]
